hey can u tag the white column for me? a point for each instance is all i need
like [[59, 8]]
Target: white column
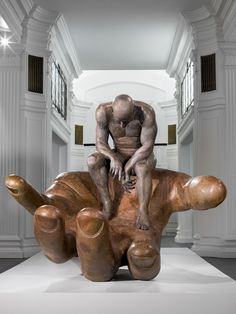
[[185, 219], [171, 157], [34, 158], [10, 241], [35, 133], [186, 155], [215, 230]]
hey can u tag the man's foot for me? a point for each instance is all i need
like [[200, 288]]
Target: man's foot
[[142, 221], [108, 210]]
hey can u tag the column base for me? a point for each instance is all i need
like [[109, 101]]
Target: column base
[[213, 247]]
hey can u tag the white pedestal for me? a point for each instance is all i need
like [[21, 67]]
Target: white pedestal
[[186, 284]]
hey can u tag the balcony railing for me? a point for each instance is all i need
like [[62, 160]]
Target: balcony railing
[[187, 89], [59, 91]]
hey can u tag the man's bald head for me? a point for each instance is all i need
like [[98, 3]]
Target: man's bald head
[[123, 107]]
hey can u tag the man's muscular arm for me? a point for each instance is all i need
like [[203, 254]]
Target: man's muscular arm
[[102, 134], [147, 139]]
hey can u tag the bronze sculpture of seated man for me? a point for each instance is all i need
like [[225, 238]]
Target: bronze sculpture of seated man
[[132, 126]]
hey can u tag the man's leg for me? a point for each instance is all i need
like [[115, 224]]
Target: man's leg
[[99, 173], [143, 170]]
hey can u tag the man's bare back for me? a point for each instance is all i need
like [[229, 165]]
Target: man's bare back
[[133, 128]]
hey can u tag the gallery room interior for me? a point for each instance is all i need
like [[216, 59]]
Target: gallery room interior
[[58, 61]]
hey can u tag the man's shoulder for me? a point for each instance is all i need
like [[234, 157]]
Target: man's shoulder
[[146, 109], [102, 112], [104, 106], [143, 106]]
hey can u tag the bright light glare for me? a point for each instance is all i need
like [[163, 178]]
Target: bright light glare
[[4, 41]]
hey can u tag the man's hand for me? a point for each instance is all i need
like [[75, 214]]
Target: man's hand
[[116, 168], [126, 182], [128, 185], [128, 168]]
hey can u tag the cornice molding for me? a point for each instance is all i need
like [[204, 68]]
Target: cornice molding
[[27, 5], [36, 27], [228, 16], [182, 36], [215, 4], [58, 54], [168, 104], [67, 44], [77, 103], [197, 15], [206, 24]]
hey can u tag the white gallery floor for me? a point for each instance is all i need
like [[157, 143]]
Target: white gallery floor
[[186, 284]]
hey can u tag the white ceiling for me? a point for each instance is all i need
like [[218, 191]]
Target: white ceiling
[[122, 34]]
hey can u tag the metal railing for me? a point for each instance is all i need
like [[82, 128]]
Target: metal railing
[[58, 90], [187, 89]]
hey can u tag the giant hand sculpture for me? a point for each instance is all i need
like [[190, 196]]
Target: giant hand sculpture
[[68, 219]]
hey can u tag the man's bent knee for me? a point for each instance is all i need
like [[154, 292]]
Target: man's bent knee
[[95, 161], [142, 167]]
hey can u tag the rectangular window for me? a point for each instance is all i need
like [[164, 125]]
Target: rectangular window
[[187, 89], [58, 90], [208, 73], [35, 74], [171, 134], [79, 135]]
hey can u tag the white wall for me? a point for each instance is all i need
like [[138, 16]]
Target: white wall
[[94, 79], [59, 155]]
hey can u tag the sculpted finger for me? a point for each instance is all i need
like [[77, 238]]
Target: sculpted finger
[[204, 192], [127, 177], [116, 172], [93, 245], [111, 171], [120, 174], [143, 260], [49, 229], [24, 193], [130, 183], [126, 188]]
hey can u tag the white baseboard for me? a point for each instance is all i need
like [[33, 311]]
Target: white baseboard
[[181, 239], [10, 247], [223, 249], [30, 251], [11, 252]]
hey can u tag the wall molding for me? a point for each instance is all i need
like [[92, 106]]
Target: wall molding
[[215, 248], [67, 45], [181, 47]]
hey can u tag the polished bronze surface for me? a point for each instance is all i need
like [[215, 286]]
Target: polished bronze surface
[[132, 127], [68, 219]]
